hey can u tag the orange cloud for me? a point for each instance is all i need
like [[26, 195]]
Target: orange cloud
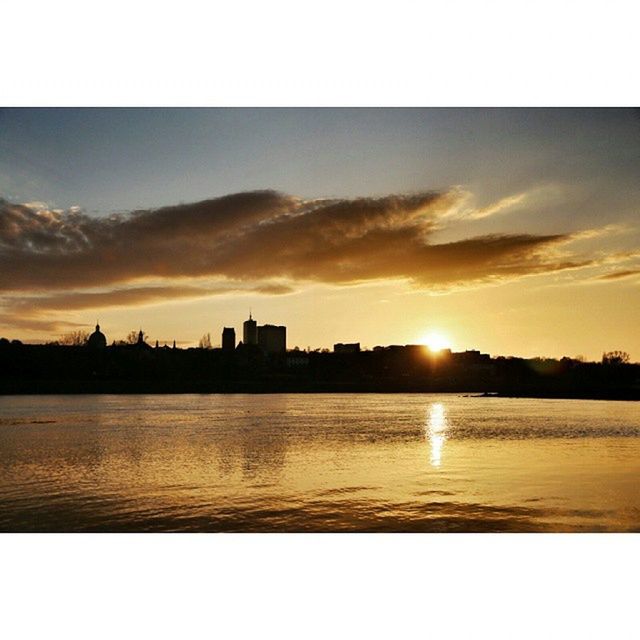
[[258, 236], [50, 258]]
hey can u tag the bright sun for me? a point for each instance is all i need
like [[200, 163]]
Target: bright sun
[[436, 341]]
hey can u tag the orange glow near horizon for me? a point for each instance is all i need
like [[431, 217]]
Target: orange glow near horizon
[[436, 341]]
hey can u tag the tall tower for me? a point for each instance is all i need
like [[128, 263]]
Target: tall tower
[[250, 331]]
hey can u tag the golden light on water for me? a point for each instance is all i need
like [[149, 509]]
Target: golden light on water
[[436, 341], [436, 427]]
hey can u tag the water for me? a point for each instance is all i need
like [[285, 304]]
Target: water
[[424, 462]]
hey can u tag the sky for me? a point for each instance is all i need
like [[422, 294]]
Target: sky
[[512, 231]]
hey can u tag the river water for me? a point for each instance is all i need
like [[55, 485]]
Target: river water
[[318, 462]]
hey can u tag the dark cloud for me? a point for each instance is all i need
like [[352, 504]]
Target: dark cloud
[[32, 323], [25, 311], [258, 236], [619, 275], [94, 300]]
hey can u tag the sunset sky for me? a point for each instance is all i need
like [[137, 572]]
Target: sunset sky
[[513, 231]]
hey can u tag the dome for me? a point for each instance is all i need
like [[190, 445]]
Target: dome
[[97, 340]]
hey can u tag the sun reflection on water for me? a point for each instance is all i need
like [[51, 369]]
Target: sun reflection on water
[[436, 427]]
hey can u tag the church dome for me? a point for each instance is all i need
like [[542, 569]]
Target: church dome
[[97, 340]]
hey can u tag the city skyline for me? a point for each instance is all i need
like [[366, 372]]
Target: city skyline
[[513, 231], [272, 340]]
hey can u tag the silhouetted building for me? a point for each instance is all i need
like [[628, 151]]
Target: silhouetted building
[[97, 340], [228, 339], [141, 344], [250, 331], [472, 357], [272, 339], [296, 359], [352, 347]]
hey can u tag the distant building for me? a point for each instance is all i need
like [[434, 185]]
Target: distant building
[[250, 331], [351, 347], [97, 340], [272, 339], [228, 339], [472, 357], [296, 359]]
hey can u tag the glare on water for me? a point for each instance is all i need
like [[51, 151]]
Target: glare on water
[[436, 425], [304, 462]]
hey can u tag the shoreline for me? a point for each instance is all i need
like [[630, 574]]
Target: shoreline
[[65, 389]]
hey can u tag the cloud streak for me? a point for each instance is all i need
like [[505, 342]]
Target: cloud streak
[[136, 296], [502, 205], [620, 275], [27, 312], [259, 242], [259, 236]]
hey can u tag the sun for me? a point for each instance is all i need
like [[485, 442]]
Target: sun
[[436, 341]]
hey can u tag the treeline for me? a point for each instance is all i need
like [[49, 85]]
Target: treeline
[[133, 368]]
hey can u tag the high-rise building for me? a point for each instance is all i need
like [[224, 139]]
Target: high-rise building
[[272, 339], [250, 331], [228, 339]]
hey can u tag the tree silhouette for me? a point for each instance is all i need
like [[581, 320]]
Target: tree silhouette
[[74, 338], [205, 342], [615, 357], [132, 337]]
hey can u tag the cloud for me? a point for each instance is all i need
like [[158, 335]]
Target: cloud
[[540, 196], [258, 236], [253, 241], [599, 232], [619, 275], [30, 323], [504, 204], [130, 297], [25, 311]]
